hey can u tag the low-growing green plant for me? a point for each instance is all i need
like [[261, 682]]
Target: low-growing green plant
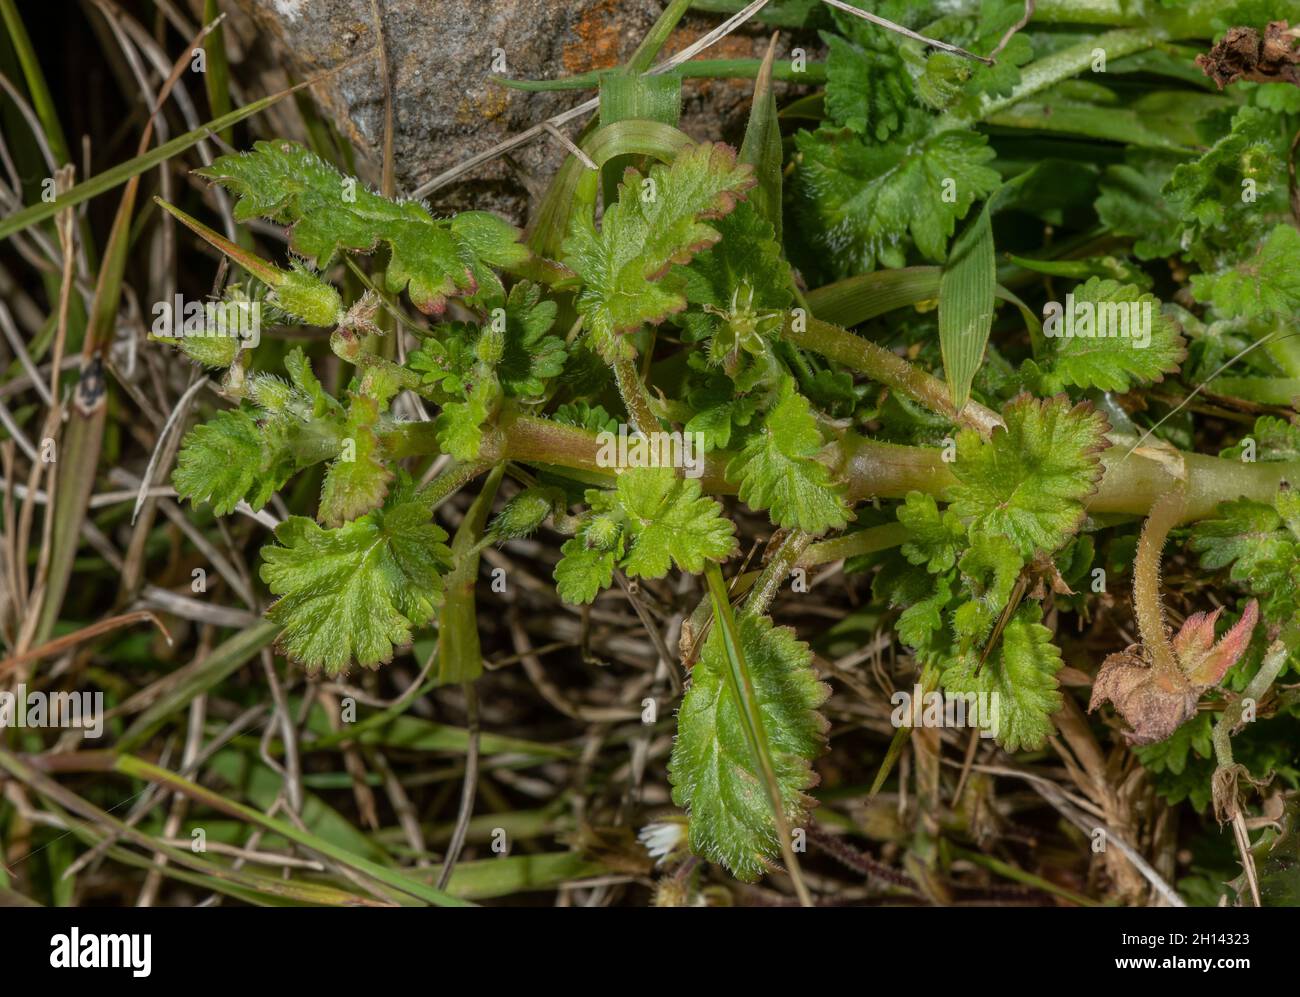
[[991, 470]]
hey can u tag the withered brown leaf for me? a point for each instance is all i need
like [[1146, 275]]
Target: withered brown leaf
[[1156, 702]]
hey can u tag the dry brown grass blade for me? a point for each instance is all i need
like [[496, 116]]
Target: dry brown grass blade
[[61, 644], [388, 183], [76, 472]]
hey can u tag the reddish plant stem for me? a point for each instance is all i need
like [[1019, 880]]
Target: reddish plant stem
[[1147, 607]]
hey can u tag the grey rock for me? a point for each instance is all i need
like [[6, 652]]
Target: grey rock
[[442, 55]]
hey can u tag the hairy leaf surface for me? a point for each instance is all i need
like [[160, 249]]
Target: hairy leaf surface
[[713, 772], [657, 221], [353, 593], [1028, 482]]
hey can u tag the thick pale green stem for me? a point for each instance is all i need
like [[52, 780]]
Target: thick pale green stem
[[887, 367], [1132, 483], [1191, 21], [1070, 62], [460, 658]]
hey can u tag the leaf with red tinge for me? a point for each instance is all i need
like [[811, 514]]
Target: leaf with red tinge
[[1203, 661], [657, 221], [432, 259], [1156, 703]]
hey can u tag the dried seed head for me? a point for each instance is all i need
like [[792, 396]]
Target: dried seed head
[[1156, 702]]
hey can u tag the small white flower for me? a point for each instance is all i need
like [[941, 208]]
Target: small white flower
[[661, 838]]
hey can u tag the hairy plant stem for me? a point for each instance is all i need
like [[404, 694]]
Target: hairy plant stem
[[1147, 607], [1131, 485], [460, 658], [636, 399], [887, 367], [1275, 659], [451, 479], [776, 571], [1066, 64], [1228, 773], [868, 541]]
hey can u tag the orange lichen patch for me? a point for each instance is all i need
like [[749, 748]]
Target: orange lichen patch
[[598, 40], [730, 47]]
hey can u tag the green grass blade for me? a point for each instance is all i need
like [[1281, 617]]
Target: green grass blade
[[460, 658], [216, 76], [220, 664], [657, 36], [120, 174], [635, 137], [966, 305], [866, 296], [501, 877], [741, 687], [139, 769], [761, 147], [37, 89], [928, 682]]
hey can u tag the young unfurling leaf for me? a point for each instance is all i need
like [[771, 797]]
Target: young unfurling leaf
[[989, 570], [529, 357], [777, 468], [1274, 439], [934, 538], [583, 571], [868, 88], [713, 772], [668, 520], [221, 461], [1266, 282], [659, 519], [459, 427], [1205, 194], [719, 409], [353, 593], [357, 480], [1250, 539], [657, 221], [860, 201]]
